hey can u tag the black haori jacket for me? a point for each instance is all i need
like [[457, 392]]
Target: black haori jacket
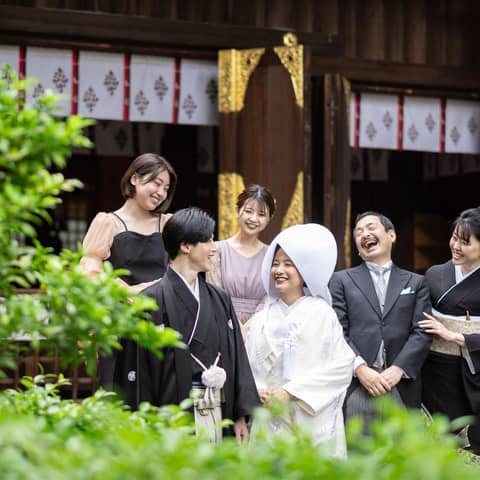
[[169, 380]]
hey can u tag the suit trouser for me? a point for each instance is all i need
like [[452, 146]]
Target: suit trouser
[[359, 403]]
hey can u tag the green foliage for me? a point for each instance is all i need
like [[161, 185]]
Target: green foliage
[[82, 316], [75, 314], [43, 436], [402, 446], [33, 143]]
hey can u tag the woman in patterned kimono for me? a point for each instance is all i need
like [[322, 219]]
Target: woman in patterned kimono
[[130, 238], [236, 267], [451, 374], [295, 345]]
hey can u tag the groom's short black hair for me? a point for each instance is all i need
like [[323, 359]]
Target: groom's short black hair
[[189, 225]]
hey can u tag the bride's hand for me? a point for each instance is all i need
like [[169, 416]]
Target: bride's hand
[[264, 396]]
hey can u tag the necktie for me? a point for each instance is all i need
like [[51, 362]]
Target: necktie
[[380, 283]]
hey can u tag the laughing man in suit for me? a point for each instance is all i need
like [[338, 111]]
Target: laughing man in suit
[[379, 306]]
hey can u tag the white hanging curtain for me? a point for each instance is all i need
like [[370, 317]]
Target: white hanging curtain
[[10, 55], [198, 93], [421, 124], [379, 121], [462, 126], [52, 69], [152, 87], [101, 85]]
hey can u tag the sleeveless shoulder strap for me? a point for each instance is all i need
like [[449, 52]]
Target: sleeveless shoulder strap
[[124, 224], [163, 219]]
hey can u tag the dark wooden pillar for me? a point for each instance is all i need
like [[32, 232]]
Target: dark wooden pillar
[[263, 134]]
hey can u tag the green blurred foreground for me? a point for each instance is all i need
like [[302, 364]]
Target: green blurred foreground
[[44, 437]]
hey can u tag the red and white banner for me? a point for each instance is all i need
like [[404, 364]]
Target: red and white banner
[[152, 87], [379, 121], [421, 124], [101, 85], [52, 69], [198, 93], [10, 55], [462, 126], [110, 86]]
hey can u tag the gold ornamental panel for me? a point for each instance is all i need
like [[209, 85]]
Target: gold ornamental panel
[[234, 70], [295, 212], [230, 185], [291, 56]]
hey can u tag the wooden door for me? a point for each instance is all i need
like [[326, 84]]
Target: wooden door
[[264, 131]]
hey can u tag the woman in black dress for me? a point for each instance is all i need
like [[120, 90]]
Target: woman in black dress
[[131, 238], [451, 374]]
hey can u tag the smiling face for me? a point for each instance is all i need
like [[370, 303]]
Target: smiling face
[[465, 251], [286, 278], [373, 242], [201, 254], [151, 192], [253, 217]]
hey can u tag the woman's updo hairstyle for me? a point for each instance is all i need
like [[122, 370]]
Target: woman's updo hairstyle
[[260, 194]]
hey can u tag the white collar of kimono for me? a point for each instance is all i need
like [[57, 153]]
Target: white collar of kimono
[[313, 250], [195, 291], [459, 276]]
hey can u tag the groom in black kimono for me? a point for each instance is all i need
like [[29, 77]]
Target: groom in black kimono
[[204, 316]]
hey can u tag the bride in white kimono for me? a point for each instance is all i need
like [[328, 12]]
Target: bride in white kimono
[[295, 344]]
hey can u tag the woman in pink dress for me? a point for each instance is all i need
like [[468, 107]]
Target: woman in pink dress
[[237, 266]]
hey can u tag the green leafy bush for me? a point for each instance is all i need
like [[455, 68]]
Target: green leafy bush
[[72, 313], [42, 436]]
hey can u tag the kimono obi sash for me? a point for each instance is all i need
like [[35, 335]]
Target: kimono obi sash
[[457, 325]]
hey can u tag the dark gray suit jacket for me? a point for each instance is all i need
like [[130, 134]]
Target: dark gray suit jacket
[[364, 325]]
